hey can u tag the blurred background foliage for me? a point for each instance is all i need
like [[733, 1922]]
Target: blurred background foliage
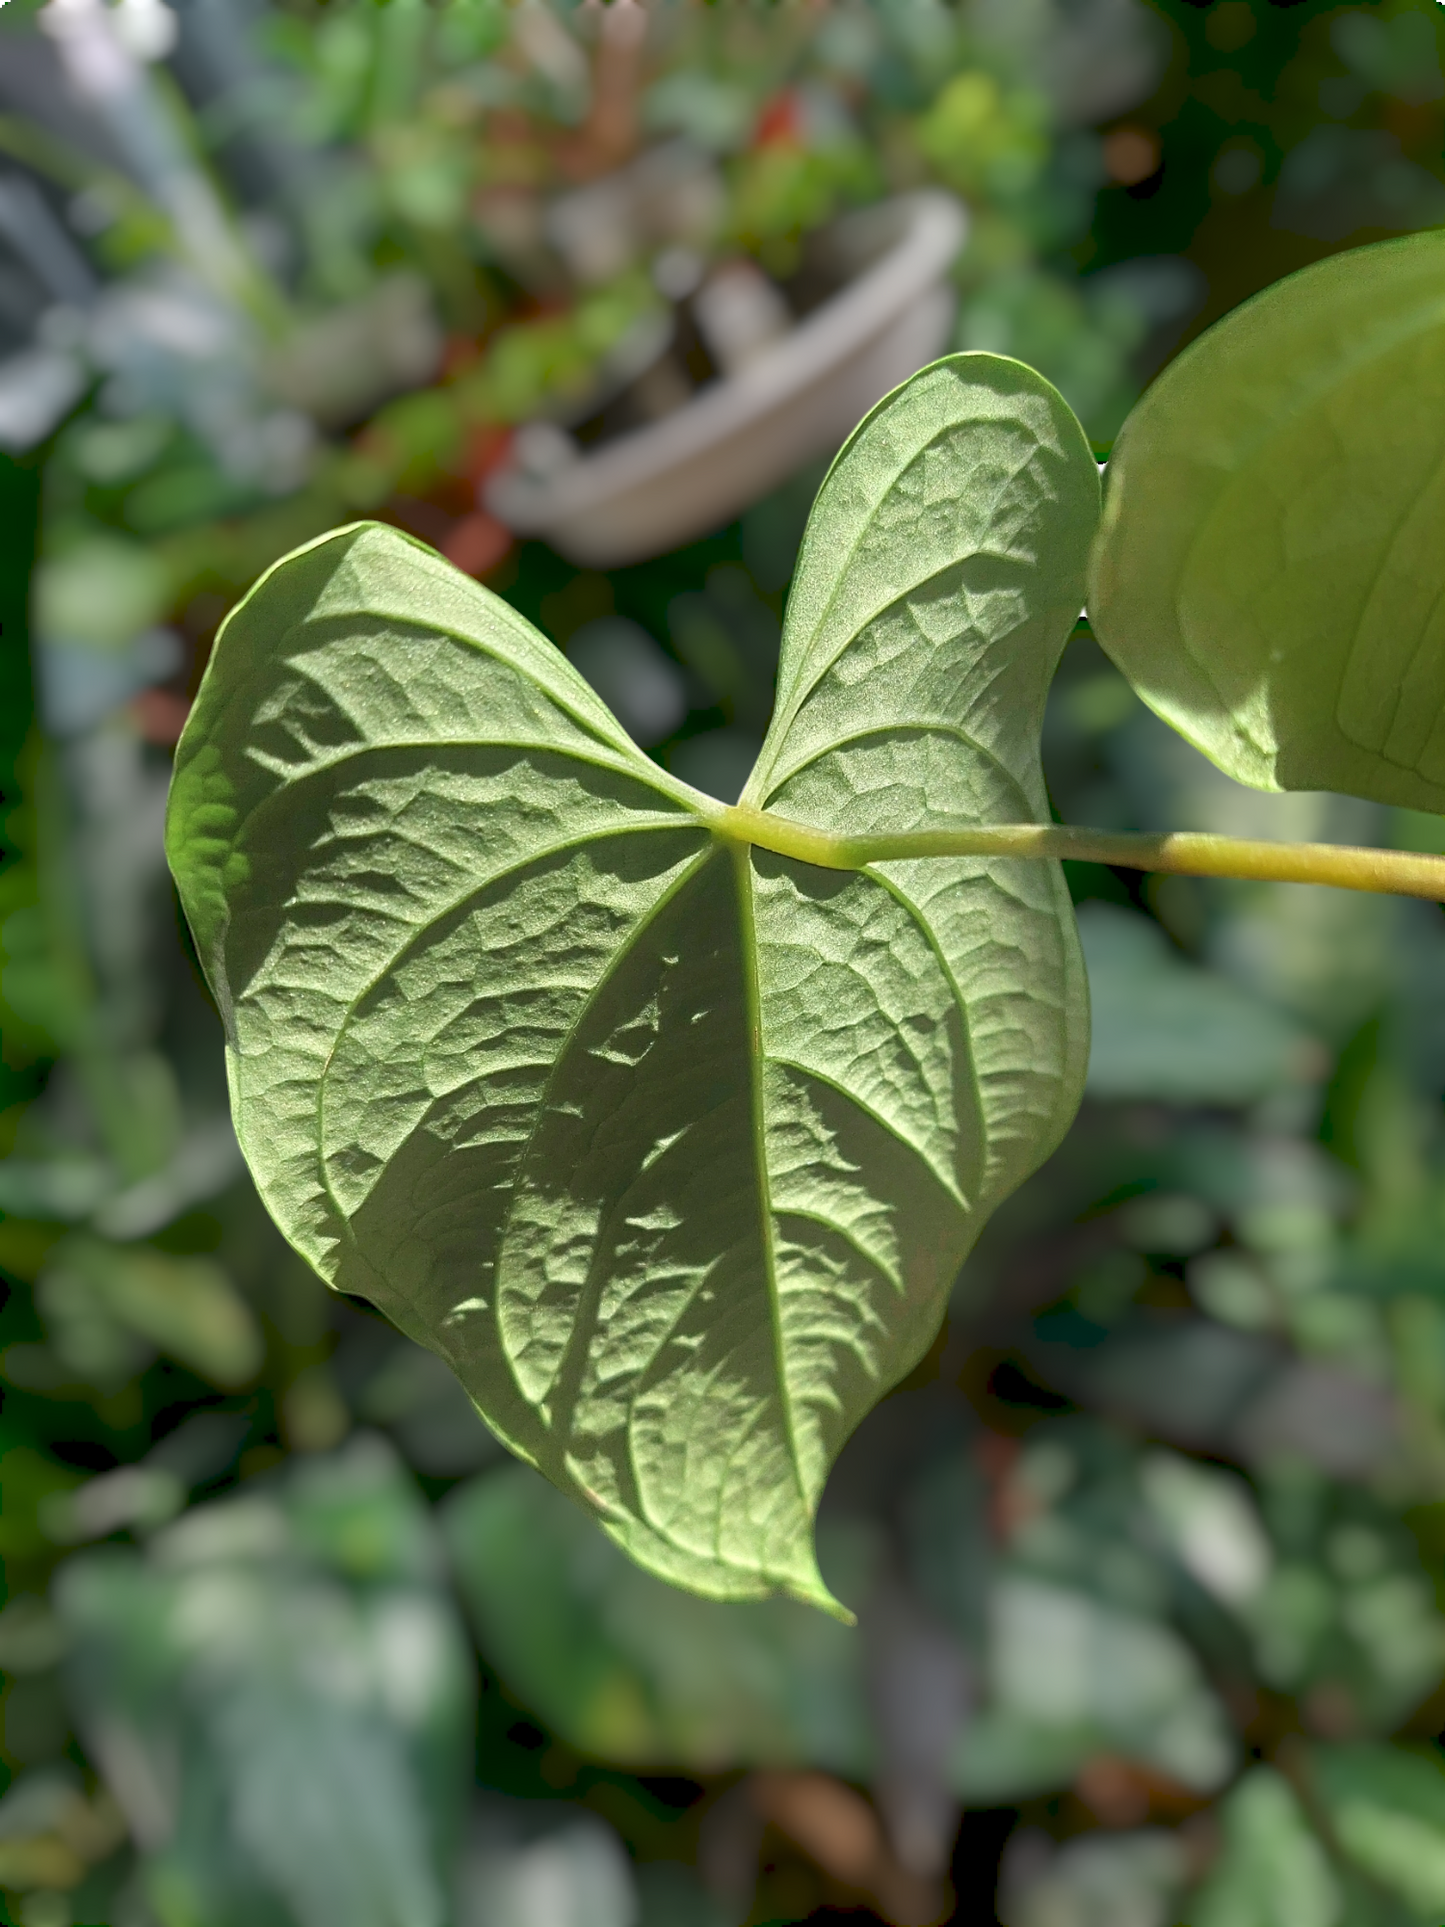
[[1148, 1555]]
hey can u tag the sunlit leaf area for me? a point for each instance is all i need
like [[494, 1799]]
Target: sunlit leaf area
[[368, 1559]]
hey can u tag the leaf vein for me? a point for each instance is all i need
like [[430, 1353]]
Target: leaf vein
[[531, 860]]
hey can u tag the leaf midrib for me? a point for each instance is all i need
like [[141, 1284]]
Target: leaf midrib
[[752, 994], [614, 964]]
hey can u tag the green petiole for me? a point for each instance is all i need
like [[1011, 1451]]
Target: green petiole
[[1174, 852]]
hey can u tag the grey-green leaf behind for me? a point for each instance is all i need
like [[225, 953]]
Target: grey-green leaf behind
[[670, 1147], [608, 1656], [1269, 574]]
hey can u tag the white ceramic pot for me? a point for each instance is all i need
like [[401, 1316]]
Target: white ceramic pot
[[656, 487]]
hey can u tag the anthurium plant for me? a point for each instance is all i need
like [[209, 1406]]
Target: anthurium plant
[[668, 1123]]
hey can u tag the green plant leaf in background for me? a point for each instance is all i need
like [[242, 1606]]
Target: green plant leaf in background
[[670, 1146], [1269, 573], [1069, 1677], [1165, 1029], [1272, 1870], [101, 1301], [608, 1656], [282, 1693], [1386, 1809]]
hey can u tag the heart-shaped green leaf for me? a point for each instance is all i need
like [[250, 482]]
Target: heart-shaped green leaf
[[670, 1146], [1270, 574]]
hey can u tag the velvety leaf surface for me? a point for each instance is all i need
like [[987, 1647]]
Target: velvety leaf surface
[[1269, 574], [669, 1146]]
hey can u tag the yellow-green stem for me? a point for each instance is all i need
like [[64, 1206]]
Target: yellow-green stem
[[1177, 852]]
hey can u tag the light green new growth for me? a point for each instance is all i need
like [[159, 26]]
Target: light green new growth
[[671, 1145]]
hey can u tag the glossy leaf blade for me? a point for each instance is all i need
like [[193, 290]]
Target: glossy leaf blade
[[671, 1148], [1269, 574]]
